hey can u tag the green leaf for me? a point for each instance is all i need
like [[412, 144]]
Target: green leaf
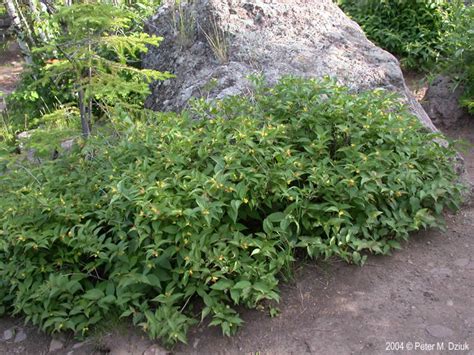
[[222, 285], [234, 209], [242, 285], [94, 294]]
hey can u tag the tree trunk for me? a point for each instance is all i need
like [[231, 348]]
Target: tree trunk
[[19, 28], [50, 7], [86, 132], [36, 17]]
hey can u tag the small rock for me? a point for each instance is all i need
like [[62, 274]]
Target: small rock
[[23, 135], [55, 345], [67, 145], [31, 156], [20, 336], [450, 303], [155, 350], [439, 331], [8, 334], [78, 345]]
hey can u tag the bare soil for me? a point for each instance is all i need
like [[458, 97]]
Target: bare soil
[[421, 296], [11, 66], [417, 82]]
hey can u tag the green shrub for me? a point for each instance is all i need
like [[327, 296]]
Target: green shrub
[[460, 64], [414, 30], [190, 215], [32, 99]]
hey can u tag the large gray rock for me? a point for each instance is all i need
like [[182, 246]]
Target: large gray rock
[[308, 38], [441, 102]]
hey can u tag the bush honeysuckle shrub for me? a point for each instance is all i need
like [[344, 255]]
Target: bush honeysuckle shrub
[[209, 206], [417, 31]]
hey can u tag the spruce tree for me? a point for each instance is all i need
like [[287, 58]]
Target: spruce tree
[[98, 53]]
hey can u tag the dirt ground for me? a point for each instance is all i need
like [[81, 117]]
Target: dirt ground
[[419, 300], [10, 69]]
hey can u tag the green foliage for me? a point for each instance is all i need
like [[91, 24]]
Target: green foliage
[[32, 99], [38, 24], [91, 60], [208, 207], [460, 63], [414, 30]]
